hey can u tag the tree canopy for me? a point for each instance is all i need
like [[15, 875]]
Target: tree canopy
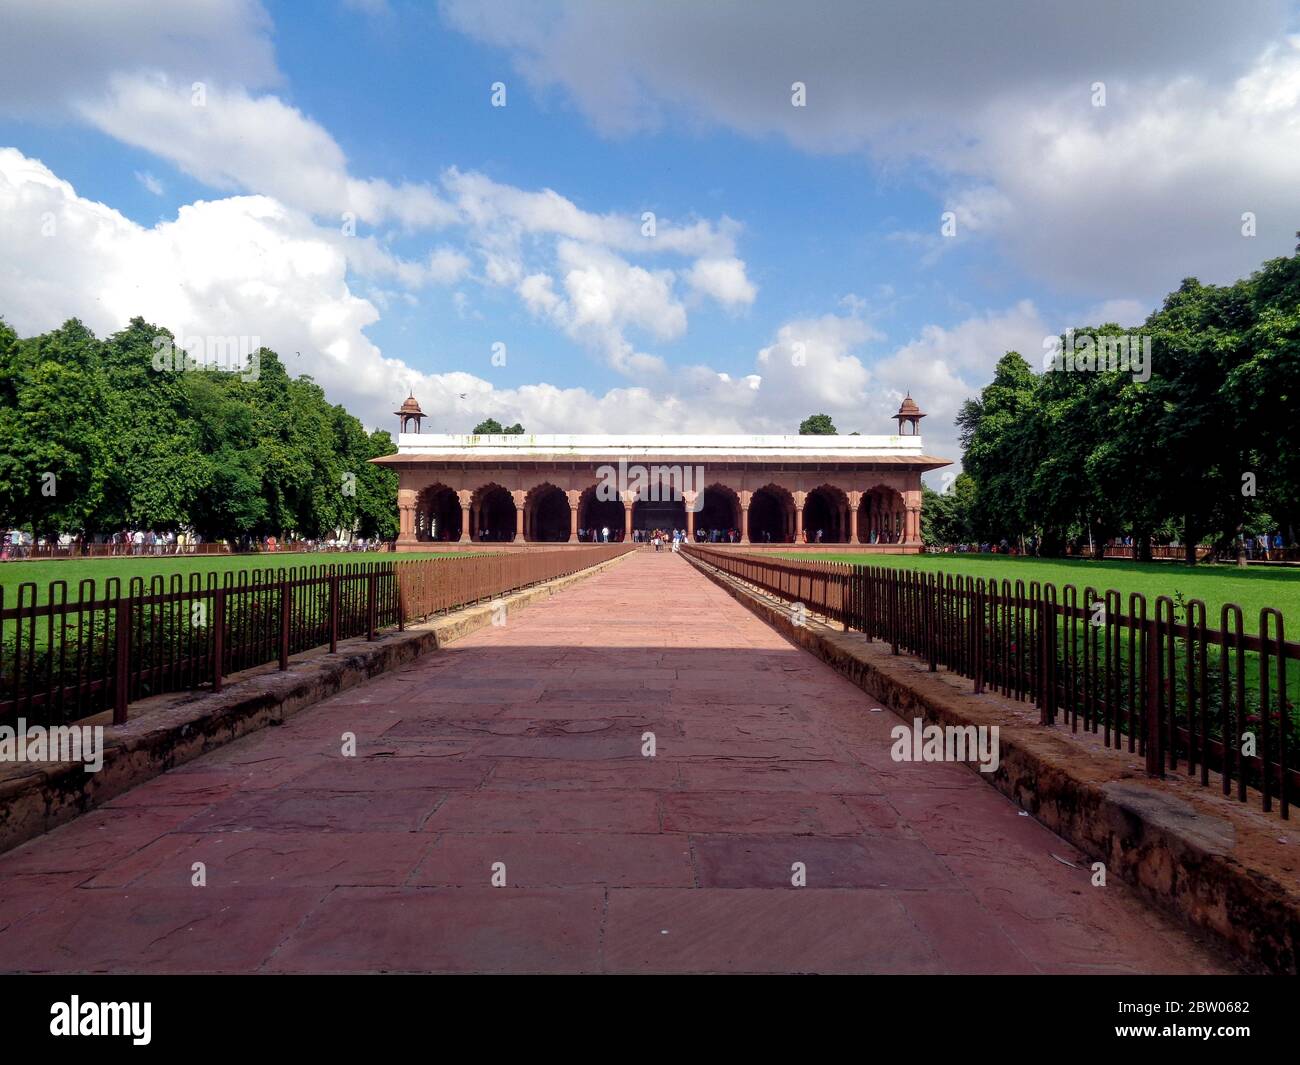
[[1203, 447], [491, 426], [818, 425], [95, 438]]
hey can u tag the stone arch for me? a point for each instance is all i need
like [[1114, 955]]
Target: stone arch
[[437, 513], [771, 515], [826, 509], [659, 503], [719, 509], [546, 514], [599, 514], [881, 515], [492, 513]]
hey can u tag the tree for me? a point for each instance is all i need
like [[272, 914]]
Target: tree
[[100, 436], [52, 468], [490, 426], [1001, 441], [818, 425], [946, 516]]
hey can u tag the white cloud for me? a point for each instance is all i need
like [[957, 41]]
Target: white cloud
[[230, 140], [56, 51], [247, 265], [1200, 125], [151, 183], [724, 280]]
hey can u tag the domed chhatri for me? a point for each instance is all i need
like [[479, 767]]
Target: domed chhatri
[[410, 412], [910, 413]]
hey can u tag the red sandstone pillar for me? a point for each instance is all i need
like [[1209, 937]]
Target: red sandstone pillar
[[519, 522], [627, 521], [690, 525], [406, 503], [744, 525], [464, 522], [573, 521], [798, 523], [853, 525]]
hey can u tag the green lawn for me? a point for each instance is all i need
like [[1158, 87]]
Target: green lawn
[[73, 571], [1251, 589]]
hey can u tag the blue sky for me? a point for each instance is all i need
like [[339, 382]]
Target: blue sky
[[798, 263]]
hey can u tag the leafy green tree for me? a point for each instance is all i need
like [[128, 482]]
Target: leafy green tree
[[52, 468], [1001, 443], [490, 426], [818, 425]]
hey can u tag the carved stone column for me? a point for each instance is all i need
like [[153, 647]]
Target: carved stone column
[[519, 497], [574, 498], [465, 500], [406, 502]]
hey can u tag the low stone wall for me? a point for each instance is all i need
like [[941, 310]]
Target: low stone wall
[[169, 730], [1223, 867]]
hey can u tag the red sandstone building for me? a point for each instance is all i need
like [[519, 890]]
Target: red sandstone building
[[863, 490]]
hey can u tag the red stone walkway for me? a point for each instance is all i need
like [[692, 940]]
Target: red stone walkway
[[521, 745]]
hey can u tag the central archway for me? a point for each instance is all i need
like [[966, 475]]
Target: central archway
[[493, 514], [770, 512], [546, 515], [719, 513], [596, 514], [826, 511]]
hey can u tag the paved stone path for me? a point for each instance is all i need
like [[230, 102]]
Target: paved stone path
[[522, 745]]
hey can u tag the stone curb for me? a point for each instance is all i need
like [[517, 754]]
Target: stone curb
[[1216, 865], [169, 730]]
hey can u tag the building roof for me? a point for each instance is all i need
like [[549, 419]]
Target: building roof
[[413, 448]]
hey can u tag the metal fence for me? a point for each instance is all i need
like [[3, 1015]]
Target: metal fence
[[62, 660], [1151, 678]]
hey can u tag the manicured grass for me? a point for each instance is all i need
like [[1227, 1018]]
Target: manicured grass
[[100, 570], [1214, 584]]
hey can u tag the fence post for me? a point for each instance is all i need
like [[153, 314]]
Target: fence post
[[1151, 678], [218, 636], [284, 624], [334, 612], [123, 648], [931, 620], [372, 581], [401, 601]]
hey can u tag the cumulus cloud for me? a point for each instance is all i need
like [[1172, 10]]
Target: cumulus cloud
[[1200, 122], [229, 139], [56, 51], [723, 280], [250, 265]]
